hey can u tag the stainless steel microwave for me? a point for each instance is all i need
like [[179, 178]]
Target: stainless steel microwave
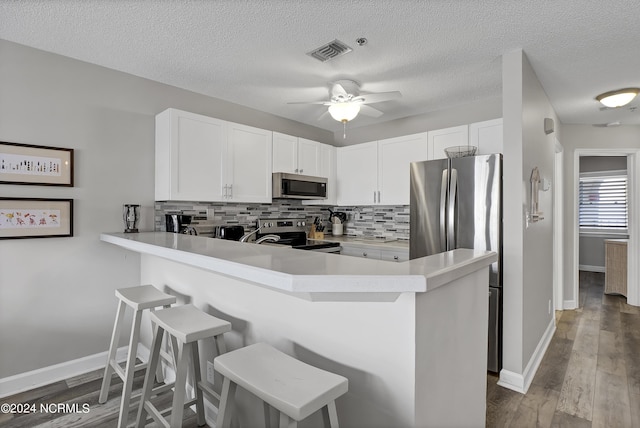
[[296, 186]]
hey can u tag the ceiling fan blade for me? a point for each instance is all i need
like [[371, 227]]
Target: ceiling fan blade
[[323, 115], [310, 102], [338, 90], [370, 111], [379, 97]]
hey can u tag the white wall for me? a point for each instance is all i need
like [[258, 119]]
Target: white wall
[[575, 137], [528, 249], [57, 295]]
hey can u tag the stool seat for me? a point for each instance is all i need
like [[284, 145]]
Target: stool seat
[[188, 324], [144, 297], [291, 386]]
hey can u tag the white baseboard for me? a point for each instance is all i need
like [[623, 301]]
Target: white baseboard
[[569, 305], [590, 268], [521, 382], [36, 378]]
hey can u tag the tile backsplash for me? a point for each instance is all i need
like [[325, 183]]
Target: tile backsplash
[[387, 221]]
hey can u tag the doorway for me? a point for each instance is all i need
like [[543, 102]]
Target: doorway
[[633, 203]]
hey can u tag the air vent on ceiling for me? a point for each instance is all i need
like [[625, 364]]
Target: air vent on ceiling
[[329, 51]]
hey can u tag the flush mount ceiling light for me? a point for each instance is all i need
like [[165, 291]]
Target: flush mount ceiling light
[[618, 98]]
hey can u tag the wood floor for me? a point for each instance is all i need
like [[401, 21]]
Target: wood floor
[[590, 374], [589, 377], [81, 390]]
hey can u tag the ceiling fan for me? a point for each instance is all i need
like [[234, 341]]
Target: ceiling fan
[[346, 101]]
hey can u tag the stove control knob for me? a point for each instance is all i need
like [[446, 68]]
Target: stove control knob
[[265, 224], [270, 224], [304, 223]]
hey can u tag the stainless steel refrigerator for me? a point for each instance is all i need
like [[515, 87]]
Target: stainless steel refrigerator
[[457, 203]]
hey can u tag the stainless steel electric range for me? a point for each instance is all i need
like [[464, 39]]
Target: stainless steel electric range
[[293, 233]]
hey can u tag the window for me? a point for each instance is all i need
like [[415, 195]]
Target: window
[[603, 200]]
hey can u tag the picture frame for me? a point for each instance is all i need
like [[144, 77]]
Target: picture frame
[[35, 218], [35, 165]]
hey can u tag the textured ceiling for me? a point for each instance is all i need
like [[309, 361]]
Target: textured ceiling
[[438, 53]]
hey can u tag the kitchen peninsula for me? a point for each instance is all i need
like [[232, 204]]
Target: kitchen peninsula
[[411, 337]]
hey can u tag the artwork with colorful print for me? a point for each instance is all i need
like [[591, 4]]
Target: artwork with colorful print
[[35, 218]]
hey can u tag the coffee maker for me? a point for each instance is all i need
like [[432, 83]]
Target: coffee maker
[[177, 223]]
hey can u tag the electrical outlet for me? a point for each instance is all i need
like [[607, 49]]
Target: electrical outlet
[[210, 372]]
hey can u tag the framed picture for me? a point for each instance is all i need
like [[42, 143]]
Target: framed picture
[[27, 164], [35, 218]]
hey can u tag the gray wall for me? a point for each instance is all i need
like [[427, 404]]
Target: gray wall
[[57, 295], [476, 111], [591, 251], [528, 250]]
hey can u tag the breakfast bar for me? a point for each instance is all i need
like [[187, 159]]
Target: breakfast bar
[[411, 337]]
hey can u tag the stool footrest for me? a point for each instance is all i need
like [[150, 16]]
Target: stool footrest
[[156, 414], [209, 391], [160, 389]]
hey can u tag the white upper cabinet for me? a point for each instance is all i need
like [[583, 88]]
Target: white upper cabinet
[[441, 139], [327, 166], [248, 164], [295, 155], [357, 174], [188, 151], [377, 173], [394, 157], [199, 158], [309, 157], [285, 153], [486, 136]]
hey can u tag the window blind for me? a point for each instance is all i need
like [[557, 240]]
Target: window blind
[[603, 201]]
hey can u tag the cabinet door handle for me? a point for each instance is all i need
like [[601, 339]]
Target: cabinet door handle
[[230, 191], [296, 170], [364, 254], [395, 258], [224, 193], [301, 171], [374, 196], [378, 196]]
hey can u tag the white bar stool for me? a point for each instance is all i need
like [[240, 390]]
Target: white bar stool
[[137, 298], [294, 388], [186, 325]]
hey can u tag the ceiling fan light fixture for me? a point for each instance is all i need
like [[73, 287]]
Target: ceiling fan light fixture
[[618, 98], [344, 112]]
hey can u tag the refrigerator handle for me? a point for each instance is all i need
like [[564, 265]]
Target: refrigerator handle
[[443, 209], [451, 211]]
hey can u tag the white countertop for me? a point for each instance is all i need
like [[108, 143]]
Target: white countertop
[[299, 271]]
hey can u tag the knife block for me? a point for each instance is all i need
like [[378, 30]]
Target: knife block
[[314, 234]]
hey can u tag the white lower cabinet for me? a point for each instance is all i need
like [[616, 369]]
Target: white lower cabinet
[[200, 158], [395, 255], [356, 251], [370, 252]]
